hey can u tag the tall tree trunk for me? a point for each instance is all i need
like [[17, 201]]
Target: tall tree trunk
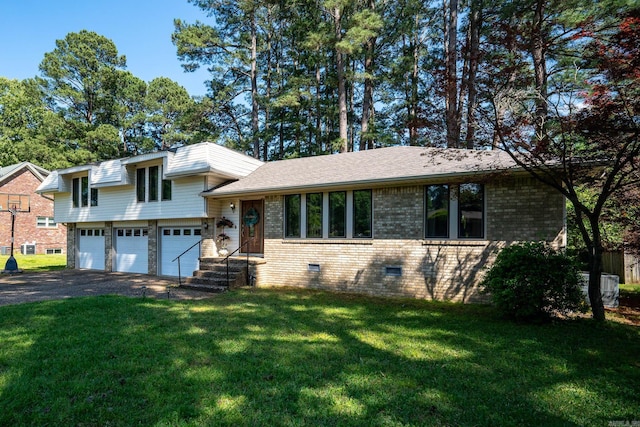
[[475, 24], [318, 129], [342, 87], [595, 270], [412, 90], [451, 90], [254, 87], [538, 55], [366, 141]]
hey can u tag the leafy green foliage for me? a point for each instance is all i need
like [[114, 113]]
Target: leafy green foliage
[[531, 282]]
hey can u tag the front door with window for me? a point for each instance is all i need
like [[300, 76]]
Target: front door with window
[[252, 226]]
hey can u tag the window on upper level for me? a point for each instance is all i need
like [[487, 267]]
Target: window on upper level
[[81, 194], [149, 185], [141, 184], [46, 222]]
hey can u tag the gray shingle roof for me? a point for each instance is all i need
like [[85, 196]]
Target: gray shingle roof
[[371, 167]]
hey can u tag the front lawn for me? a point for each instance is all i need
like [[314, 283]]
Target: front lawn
[[37, 262], [288, 357]]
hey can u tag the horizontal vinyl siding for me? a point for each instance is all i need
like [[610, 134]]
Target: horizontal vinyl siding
[[119, 204], [180, 222]]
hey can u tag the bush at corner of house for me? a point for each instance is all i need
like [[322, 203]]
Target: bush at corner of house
[[532, 281]]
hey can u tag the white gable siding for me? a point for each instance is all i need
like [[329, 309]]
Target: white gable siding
[[110, 172], [119, 204], [210, 158]]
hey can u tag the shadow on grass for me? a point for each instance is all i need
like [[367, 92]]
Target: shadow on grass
[[307, 358]]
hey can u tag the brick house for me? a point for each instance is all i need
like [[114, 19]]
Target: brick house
[[397, 221], [35, 229]]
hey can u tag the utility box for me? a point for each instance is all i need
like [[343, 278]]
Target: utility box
[[28, 249], [609, 287], [5, 250]]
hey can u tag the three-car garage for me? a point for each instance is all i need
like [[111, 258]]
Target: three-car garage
[[131, 252]]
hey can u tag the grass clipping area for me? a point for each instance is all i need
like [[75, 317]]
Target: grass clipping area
[[285, 357]]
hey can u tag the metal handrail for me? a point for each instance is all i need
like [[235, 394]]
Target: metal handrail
[[198, 243], [227, 260]]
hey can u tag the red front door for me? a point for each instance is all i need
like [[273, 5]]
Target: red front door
[[252, 227]]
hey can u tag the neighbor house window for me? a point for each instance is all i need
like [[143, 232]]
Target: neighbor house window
[[141, 184], [45, 222], [337, 214], [437, 211], [292, 215], [471, 211], [94, 197], [362, 213], [314, 215], [153, 183]]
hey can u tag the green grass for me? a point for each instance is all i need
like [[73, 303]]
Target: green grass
[[37, 262], [304, 358], [630, 289]]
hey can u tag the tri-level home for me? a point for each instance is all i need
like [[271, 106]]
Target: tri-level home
[[396, 221], [137, 214]]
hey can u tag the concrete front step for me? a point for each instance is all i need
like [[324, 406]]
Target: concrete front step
[[205, 288]]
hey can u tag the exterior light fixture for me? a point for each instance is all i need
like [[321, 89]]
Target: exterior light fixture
[[232, 206]]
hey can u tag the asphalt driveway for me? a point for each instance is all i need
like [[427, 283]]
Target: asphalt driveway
[[41, 286]]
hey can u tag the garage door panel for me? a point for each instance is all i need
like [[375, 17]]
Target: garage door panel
[[173, 242], [132, 250], [90, 254]]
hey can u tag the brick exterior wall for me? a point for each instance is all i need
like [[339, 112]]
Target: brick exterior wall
[[26, 231], [517, 209]]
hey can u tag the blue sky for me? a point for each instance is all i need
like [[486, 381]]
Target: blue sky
[[140, 29]]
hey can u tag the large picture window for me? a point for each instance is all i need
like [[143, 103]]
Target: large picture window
[[362, 213], [292, 215], [471, 211], [314, 215], [437, 211], [337, 214]]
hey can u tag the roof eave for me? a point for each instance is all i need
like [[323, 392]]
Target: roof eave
[[382, 182]]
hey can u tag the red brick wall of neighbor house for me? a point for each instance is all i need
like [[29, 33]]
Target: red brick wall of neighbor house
[[26, 231]]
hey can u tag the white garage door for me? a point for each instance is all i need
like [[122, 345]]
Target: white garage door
[[91, 248], [174, 241], [132, 250]]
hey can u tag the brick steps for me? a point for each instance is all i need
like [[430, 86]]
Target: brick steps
[[212, 275]]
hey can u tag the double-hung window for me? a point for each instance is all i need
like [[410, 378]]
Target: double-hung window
[[314, 215]]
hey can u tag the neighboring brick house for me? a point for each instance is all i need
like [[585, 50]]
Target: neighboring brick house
[[398, 221], [35, 230]]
